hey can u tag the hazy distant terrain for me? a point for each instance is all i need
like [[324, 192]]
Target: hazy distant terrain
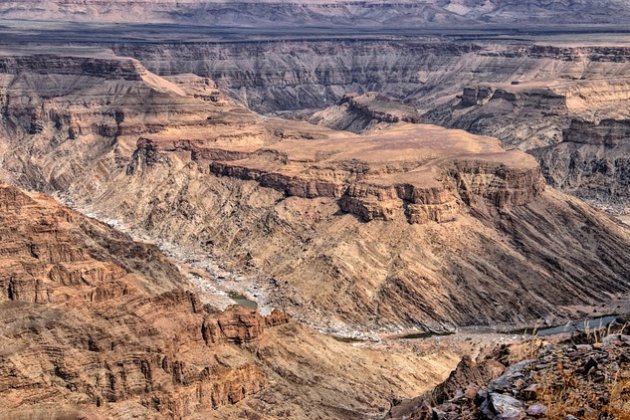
[[326, 12]]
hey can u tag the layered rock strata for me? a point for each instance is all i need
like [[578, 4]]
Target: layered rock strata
[[407, 225], [96, 323], [579, 149]]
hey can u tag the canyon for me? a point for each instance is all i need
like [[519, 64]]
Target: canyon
[[538, 86], [310, 209]]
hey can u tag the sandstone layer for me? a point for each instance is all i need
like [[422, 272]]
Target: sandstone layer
[[578, 133], [99, 326]]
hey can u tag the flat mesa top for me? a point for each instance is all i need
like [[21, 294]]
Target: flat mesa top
[[409, 153], [400, 143]]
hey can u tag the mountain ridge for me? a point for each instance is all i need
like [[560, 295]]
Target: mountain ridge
[[326, 12]]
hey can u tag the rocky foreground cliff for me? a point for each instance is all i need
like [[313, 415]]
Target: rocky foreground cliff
[[95, 325], [408, 226], [584, 375]]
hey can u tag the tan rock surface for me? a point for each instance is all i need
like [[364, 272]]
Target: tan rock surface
[[98, 322]]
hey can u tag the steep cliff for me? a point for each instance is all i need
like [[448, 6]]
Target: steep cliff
[[332, 12], [267, 75], [394, 174], [577, 131], [592, 161]]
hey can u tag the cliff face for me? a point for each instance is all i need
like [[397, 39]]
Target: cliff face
[[608, 133], [578, 132], [408, 225], [62, 257], [371, 188], [268, 76], [521, 117]]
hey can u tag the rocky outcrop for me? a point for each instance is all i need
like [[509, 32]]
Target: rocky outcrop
[[108, 67], [608, 133], [468, 377], [371, 190], [497, 185], [380, 108], [359, 113], [592, 161], [578, 155], [239, 325], [476, 96], [583, 376]]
